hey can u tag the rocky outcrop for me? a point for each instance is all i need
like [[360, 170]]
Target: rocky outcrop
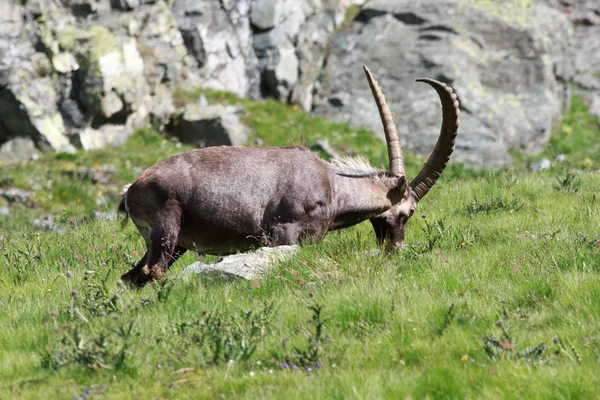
[[585, 16], [291, 37], [86, 73], [218, 37], [509, 64], [28, 94]]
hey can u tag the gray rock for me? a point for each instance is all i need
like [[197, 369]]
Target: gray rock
[[17, 150], [585, 16], [510, 67], [102, 174], [4, 211], [541, 165], [218, 37], [15, 195], [105, 136], [250, 266], [290, 42], [213, 125], [48, 223], [125, 4], [27, 93]]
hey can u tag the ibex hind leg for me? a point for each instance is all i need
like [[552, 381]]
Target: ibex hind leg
[[163, 249]]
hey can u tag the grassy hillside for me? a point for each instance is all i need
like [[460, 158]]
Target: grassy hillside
[[495, 296]]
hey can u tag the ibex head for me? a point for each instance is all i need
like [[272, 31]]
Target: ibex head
[[390, 226]]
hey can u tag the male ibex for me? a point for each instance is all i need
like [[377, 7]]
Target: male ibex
[[220, 200]]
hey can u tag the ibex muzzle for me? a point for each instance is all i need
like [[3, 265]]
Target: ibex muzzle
[[221, 200]]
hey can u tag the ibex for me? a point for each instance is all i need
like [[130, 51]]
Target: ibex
[[221, 200]]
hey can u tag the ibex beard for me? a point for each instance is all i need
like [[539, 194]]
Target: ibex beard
[[222, 200]]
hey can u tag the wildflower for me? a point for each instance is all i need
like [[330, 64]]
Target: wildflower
[[463, 244], [465, 357], [295, 367], [271, 371], [256, 284], [319, 365], [423, 215], [73, 292], [229, 300], [69, 273], [88, 390], [308, 369], [251, 373]]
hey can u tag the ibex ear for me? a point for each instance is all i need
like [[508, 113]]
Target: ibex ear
[[402, 184]]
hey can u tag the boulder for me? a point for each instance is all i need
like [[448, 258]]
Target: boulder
[[17, 150], [15, 195], [510, 64], [250, 266], [210, 125]]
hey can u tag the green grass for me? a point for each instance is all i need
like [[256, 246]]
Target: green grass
[[578, 139], [495, 296]]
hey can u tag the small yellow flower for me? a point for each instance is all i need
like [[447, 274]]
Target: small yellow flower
[[465, 357], [567, 129], [164, 141], [463, 244], [295, 107], [229, 300], [78, 200]]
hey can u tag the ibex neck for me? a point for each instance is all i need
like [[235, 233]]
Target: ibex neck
[[356, 200]]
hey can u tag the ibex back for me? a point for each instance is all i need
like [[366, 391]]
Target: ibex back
[[221, 200]]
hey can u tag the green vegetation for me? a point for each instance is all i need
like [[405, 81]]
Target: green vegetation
[[578, 139], [495, 296]]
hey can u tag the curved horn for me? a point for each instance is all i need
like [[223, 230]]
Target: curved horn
[[445, 145], [389, 128]]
